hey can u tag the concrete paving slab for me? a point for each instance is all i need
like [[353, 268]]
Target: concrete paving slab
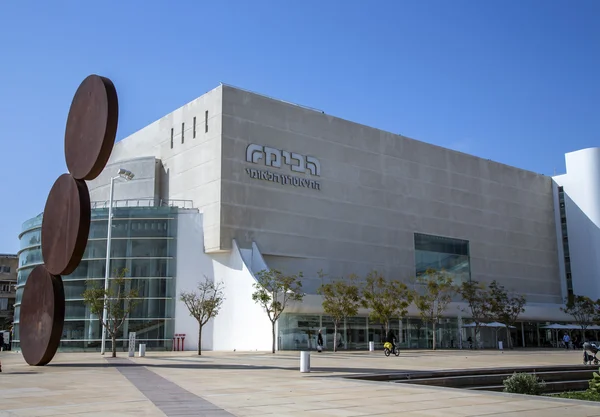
[[261, 384]]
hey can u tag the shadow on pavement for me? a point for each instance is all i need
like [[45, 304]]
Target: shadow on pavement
[[324, 369]]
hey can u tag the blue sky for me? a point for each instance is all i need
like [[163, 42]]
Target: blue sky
[[513, 81]]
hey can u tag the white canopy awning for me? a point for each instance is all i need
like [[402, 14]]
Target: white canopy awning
[[494, 324], [556, 326]]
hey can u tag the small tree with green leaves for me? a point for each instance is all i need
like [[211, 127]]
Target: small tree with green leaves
[[120, 300], [505, 307], [436, 292], [385, 299], [273, 291], [341, 299], [204, 304], [583, 310], [477, 298]]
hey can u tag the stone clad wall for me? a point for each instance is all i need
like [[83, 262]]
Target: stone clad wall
[[373, 191]]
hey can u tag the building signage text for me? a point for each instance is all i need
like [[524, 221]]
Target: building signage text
[[275, 158]]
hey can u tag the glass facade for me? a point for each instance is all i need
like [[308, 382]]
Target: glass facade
[[143, 241], [299, 332], [436, 252]]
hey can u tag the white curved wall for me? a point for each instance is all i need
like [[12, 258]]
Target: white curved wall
[[241, 324], [582, 204], [583, 172]]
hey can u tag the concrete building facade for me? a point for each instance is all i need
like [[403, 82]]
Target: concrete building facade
[[356, 208], [8, 281], [277, 185]]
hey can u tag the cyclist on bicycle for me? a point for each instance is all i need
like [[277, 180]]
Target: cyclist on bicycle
[[391, 338]]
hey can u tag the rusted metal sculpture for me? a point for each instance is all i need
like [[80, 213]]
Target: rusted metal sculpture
[[89, 140]]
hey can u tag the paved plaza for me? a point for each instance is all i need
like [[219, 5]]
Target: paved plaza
[[261, 384]]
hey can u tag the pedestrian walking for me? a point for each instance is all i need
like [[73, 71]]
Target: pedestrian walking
[[566, 340], [319, 342]]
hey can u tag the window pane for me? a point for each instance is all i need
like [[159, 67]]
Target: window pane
[[299, 331], [31, 238], [442, 253], [136, 267]]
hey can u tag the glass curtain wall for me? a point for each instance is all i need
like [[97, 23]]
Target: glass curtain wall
[[299, 332], [143, 242], [436, 252]]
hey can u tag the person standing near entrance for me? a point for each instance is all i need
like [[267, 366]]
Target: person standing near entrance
[[319, 342], [566, 340]]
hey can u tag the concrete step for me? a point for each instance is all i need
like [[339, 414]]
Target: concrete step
[[469, 380], [558, 386], [557, 378], [408, 375]]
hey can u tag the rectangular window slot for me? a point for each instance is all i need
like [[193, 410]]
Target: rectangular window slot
[[442, 253], [182, 132], [565, 236], [194, 129], [206, 121], [171, 138]]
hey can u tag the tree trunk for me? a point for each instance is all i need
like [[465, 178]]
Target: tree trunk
[[199, 340], [114, 345], [273, 334], [508, 338], [334, 336], [434, 325]]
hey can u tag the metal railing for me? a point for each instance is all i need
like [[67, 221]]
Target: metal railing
[[144, 202]]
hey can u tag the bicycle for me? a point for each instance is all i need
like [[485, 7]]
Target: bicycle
[[389, 349]]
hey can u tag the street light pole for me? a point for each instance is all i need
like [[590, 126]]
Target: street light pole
[[107, 265], [128, 176]]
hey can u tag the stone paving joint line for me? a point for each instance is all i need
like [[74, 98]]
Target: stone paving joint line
[[167, 396]]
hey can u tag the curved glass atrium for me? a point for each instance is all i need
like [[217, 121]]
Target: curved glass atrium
[[144, 242]]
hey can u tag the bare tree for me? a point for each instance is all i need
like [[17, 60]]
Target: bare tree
[[437, 291], [120, 301], [273, 291], [505, 307], [341, 299], [478, 301], [204, 303], [385, 299]]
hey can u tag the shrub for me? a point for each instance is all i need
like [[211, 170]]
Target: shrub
[[595, 383], [585, 395], [522, 383]]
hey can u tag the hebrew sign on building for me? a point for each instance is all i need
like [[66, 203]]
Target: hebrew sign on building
[[272, 157]]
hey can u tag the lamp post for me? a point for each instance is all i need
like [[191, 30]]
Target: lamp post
[[127, 176]]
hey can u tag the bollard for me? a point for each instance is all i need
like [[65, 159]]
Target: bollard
[[131, 344], [305, 361], [371, 346], [142, 350]]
